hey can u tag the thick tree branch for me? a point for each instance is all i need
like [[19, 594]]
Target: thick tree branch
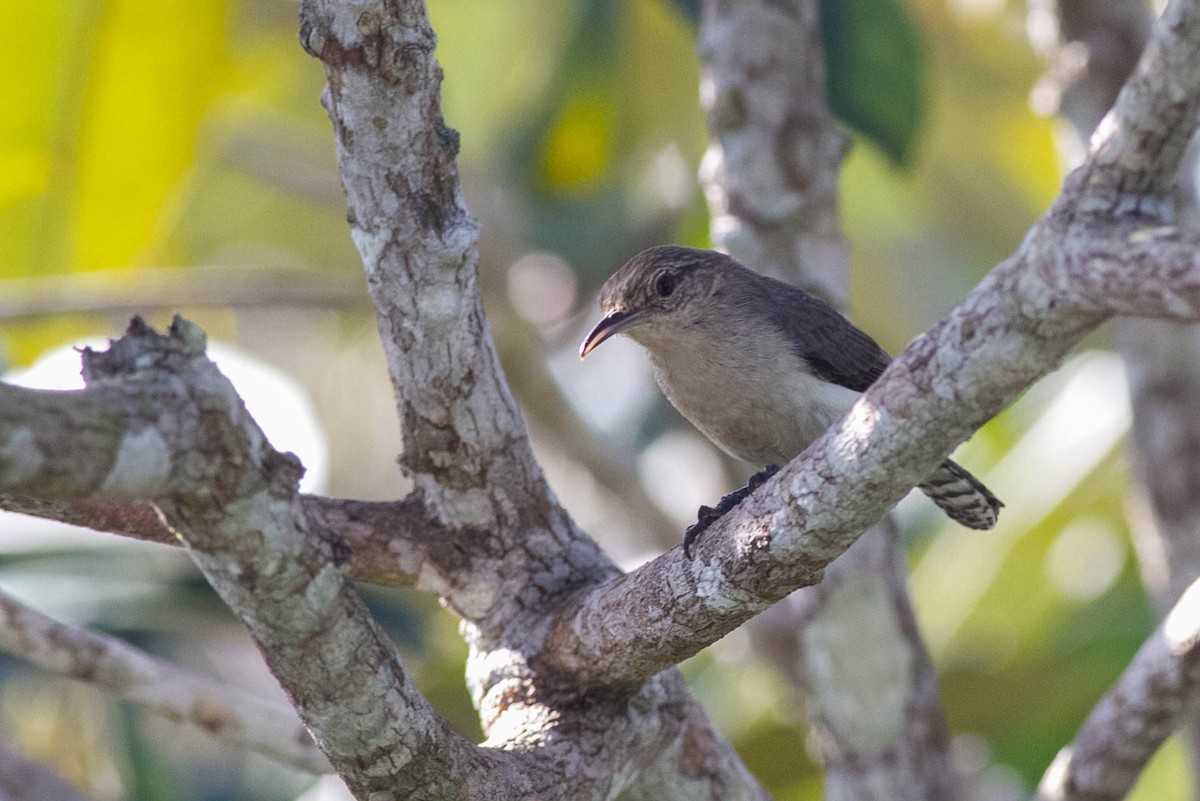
[[1015, 327], [1155, 694], [226, 713], [392, 543], [158, 421], [464, 440]]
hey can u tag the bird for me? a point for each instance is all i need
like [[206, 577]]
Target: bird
[[762, 368]]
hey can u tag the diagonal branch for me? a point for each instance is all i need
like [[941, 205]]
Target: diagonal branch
[[1137, 147], [464, 441], [158, 421], [226, 713], [1162, 364], [1015, 327], [1155, 694]]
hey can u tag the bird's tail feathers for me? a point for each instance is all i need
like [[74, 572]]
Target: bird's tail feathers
[[962, 496]]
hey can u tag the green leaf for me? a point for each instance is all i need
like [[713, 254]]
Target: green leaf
[[875, 71]]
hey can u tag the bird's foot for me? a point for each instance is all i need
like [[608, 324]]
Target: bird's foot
[[761, 477], [707, 515]]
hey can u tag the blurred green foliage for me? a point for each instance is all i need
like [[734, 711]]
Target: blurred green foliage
[[875, 72], [162, 133]]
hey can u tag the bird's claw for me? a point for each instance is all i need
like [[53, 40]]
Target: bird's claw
[[707, 515], [761, 477]]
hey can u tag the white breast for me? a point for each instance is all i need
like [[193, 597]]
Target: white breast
[[762, 406]]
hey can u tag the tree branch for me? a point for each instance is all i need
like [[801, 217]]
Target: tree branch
[[158, 421], [1015, 327], [1155, 694], [132, 291], [1137, 147], [226, 713], [464, 441], [392, 543], [771, 172]]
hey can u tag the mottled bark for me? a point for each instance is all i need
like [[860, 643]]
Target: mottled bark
[[520, 555], [770, 174], [390, 541]]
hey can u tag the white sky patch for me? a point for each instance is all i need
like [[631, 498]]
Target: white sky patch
[[1085, 559], [278, 403], [680, 472]]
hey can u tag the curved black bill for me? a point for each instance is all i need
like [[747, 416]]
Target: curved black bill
[[609, 325]]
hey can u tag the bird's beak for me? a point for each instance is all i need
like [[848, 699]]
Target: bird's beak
[[612, 323]]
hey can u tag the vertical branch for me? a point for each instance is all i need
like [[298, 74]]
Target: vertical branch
[[464, 440], [465, 443], [771, 178], [771, 171]]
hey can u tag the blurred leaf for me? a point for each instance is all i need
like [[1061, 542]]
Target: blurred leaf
[[875, 71], [152, 79], [575, 157], [579, 126], [45, 75], [1167, 776], [499, 57]]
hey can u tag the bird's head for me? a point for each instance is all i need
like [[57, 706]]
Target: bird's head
[[657, 293]]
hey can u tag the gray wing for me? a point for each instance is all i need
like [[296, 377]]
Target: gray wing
[[835, 350]]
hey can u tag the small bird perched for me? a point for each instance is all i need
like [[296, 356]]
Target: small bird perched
[[761, 367]]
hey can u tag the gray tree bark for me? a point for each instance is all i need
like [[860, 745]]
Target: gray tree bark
[[571, 663]]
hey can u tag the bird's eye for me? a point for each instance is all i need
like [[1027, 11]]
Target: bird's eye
[[664, 285]]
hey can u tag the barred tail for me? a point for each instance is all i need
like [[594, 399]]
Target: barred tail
[[961, 496]]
